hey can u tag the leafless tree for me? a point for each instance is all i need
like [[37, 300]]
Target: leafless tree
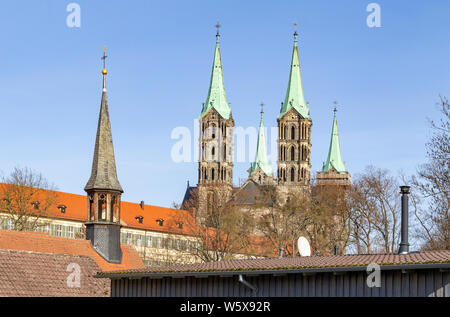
[[278, 220], [26, 197], [328, 219], [374, 207], [320, 215], [222, 235], [432, 183]]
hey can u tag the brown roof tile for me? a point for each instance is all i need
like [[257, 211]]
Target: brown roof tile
[[41, 242], [39, 274], [305, 262]]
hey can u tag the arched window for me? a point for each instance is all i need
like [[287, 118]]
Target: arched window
[[213, 131], [102, 207], [113, 208], [285, 132], [292, 174], [213, 152], [91, 207], [210, 201], [293, 133], [212, 174], [292, 154], [224, 152]]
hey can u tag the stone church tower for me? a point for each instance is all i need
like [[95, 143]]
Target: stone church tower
[[294, 134], [103, 190], [333, 170], [215, 168]]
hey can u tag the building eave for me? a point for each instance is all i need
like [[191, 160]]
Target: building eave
[[235, 272]]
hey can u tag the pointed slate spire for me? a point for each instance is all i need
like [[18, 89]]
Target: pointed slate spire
[[294, 95], [261, 158], [334, 154], [103, 174], [216, 95]]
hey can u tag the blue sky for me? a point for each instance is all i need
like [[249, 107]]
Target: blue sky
[[387, 81]]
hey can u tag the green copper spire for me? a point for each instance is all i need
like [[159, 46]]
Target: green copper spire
[[294, 95], [334, 154], [216, 94], [261, 158]]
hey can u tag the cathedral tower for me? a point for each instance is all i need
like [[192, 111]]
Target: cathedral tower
[[215, 168], [103, 190], [260, 170], [294, 134], [334, 171]]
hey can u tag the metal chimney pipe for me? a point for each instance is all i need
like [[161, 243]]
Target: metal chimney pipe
[[281, 254], [336, 250], [404, 245], [142, 204]]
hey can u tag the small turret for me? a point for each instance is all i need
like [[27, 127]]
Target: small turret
[[103, 189]]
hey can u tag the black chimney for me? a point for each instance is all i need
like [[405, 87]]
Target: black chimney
[[404, 245], [336, 250], [142, 205]]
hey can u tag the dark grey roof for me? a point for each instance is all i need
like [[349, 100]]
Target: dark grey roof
[[188, 195], [104, 175], [249, 194]]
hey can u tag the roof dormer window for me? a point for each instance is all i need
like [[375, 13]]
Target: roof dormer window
[[62, 209], [160, 221], [36, 205], [140, 219]]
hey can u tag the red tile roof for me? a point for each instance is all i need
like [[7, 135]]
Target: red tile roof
[[77, 211], [44, 243], [41, 274], [303, 263]]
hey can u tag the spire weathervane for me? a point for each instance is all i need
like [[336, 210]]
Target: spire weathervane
[[295, 31], [262, 111], [335, 104]]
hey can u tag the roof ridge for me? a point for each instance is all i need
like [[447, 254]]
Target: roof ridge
[[46, 253]]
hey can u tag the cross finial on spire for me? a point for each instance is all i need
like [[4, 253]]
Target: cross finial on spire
[[335, 105], [295, 30], [104, 58], [218, 27], [262, 111]]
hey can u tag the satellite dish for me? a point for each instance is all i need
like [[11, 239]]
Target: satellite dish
[[303, 247]]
